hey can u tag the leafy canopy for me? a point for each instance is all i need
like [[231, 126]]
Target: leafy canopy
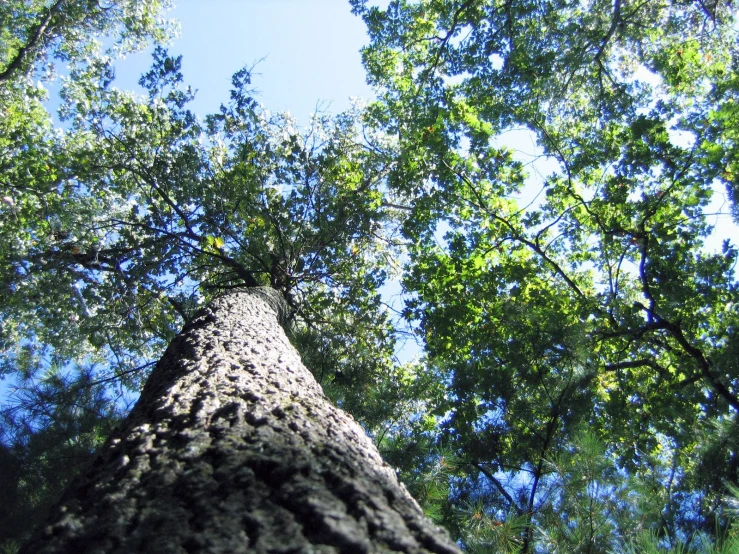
[[589, 297]]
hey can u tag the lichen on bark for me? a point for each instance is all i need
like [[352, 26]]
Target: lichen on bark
[[233, 447]]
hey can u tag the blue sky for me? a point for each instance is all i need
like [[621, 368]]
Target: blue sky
[[306, 53]]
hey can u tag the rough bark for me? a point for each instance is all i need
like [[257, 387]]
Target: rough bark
[[233, 447]]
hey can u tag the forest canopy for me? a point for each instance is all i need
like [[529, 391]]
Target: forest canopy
[[577, 386]]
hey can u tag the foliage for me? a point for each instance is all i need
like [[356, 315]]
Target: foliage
[[587, 298], [61, 409], [48, 436], [36, 32]]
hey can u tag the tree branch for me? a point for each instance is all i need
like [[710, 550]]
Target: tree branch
[[27, 51], [444, 42], [615, 20], [499, 486], [704, 365], [516, 235], [243, 273], [634, 364]]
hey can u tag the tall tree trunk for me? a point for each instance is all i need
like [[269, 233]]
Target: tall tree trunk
[[233, 447]]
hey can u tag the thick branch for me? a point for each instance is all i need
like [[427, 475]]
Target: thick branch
[[632, 364], [703, 364], [615, 20], [28, 50]]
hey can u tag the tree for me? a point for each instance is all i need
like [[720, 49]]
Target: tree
[[138, 212], [153, 222], [156, 210], [41, 193], [594, 301], [234, 447], [579, 328]]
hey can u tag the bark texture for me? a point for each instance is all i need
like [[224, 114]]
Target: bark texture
[[233, 447]]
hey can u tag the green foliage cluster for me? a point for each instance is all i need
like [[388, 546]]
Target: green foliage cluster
[[589, 297], [579, 386]]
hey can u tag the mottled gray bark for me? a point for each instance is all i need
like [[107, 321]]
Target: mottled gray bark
[[233, 447]]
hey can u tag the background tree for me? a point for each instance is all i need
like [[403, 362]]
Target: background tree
[[36, 33], [596, 301], [56, 419]]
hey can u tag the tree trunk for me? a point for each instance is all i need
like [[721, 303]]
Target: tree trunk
[[233, 447]]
